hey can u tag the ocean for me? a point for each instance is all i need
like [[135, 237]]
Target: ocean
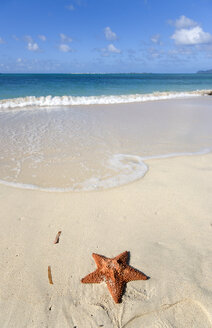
[[85, 132], [20, 90]]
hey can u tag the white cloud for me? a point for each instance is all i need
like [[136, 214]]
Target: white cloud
[[70, 7], [192, 36], [65, 48], [183, 22], [42, 37], [110, 49], [113, 49], [1, 41], [109, 34], [32, 46], [19, 60], [65, 38], [155, 38]]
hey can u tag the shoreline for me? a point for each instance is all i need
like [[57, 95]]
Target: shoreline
[[24, 103], [144, 161], [99, 147]]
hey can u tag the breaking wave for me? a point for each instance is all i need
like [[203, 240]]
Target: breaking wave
[[49, 101]]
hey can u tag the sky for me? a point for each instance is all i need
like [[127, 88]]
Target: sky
[[105, 36]]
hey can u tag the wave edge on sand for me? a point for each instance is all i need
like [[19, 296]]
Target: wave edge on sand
[[51, 101], [129, 168]]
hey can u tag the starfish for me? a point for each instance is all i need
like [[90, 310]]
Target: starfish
[[115, 272]]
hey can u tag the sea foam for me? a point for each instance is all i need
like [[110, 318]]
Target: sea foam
[[127, 169], [49, 101]]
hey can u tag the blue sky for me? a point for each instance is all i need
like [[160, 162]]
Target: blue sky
[[44, 36]]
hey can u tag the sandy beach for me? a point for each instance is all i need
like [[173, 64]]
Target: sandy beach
[[163, 219], [105, 164]]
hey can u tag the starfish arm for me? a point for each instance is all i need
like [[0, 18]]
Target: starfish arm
[[99, 259], [116, 289], [92, 278], [130, 274], [123, 258]]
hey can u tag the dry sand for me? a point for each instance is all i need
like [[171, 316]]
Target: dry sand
[[164, 220]]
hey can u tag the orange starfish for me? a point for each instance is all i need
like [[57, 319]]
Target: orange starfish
[[115, 272]]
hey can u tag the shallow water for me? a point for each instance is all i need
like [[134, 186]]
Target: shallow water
[[97, 147]]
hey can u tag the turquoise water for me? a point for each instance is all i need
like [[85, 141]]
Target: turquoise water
[[78, 85]]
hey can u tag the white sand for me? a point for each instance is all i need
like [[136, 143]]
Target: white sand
[[164, 220]]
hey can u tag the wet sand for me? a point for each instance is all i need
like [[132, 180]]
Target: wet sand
[[77, 148]]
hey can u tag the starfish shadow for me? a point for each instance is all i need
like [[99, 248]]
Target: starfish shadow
[[128, 261]]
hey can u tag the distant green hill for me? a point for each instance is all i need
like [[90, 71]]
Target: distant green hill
[[209, 71]]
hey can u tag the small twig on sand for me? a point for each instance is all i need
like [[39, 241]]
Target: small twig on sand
[[50, 275], [57, 238]]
